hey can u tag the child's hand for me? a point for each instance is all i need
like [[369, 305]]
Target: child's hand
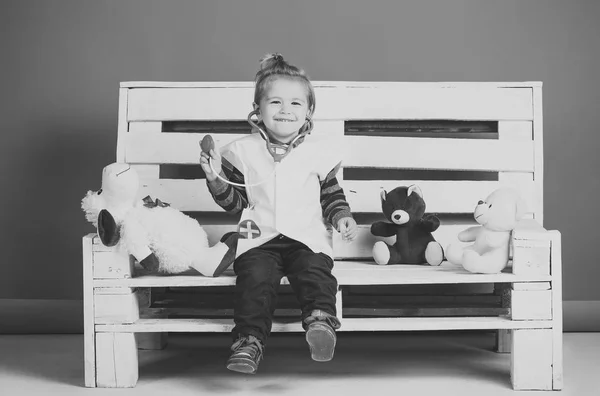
[[216, 163], [348, 228]]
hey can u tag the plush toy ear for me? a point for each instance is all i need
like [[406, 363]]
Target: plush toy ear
[[414, 189], [383, 195], [107, 228]]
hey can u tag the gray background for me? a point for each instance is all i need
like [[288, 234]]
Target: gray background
[[62, 61]]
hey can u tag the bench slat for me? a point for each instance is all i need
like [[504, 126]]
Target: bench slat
[[347, 273], [392, 152], [339, 102], [358, 324], [362, 195], [436, 153], [150, 146]]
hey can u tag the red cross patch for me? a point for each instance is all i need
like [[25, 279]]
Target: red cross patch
[[248, 229]]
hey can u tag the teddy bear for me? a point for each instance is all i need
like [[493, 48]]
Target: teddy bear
[[497, 217], [404, 208], [162, 239]]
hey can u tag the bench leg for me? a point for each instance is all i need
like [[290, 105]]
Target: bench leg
[[151, 341], [116, 360], [531, 360], [503, 341]]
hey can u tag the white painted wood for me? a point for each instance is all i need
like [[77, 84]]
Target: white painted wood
[[446, 154], [531, 256], [531, 248], [518, 158], [347, 273], [531, 359], [557, 310], [145, 126], [114, 290], [350, 324], [339, 305], [122, 125], [503, 341], [116, 308], [452, 103], [515, 130], [371, 84], [184, 148], [112, 264], [531, 304], [364, 195], [538, 128], [531, 286], [350, 102], [89, 335], [117, 360]]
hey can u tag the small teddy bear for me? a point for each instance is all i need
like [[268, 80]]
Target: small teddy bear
[[497, 216], [404, 207], [161, 238]]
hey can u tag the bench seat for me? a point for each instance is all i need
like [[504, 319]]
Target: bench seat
[[347, 273]]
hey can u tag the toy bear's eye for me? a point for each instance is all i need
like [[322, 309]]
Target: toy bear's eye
[[490, 205], [99, 191]]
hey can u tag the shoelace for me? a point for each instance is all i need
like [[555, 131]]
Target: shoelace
[[249, 345], [320, 316]]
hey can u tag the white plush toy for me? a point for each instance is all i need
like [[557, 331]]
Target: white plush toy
[[497, 216], [161, 238]]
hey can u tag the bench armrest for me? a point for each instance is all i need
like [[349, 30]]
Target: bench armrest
[[532, 245]]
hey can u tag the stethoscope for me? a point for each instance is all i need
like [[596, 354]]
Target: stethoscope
[[277, 150]]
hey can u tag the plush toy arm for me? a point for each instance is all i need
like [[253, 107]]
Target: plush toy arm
[[383, 229], [470, 234], [430, 222]]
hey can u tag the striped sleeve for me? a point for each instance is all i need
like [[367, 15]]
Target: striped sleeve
[[231, 198], [333, 200]]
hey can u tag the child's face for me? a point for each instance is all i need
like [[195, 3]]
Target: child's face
[[283, 109]]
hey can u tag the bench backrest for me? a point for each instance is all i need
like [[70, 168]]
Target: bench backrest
[[457, 141]]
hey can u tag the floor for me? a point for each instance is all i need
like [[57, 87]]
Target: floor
[[383, 363]]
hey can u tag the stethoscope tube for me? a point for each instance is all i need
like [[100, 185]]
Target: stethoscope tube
[[271, 147]]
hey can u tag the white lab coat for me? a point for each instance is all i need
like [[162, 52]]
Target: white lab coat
[[288, 201]]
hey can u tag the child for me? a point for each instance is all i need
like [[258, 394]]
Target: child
[[287, 191]]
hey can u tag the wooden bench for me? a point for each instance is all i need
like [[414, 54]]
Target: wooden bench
[[457, 141]]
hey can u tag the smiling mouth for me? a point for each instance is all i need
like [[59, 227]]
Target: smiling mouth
[[283, 120]]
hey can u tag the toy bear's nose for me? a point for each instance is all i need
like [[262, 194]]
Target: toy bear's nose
[[479, 203], [397, 217]]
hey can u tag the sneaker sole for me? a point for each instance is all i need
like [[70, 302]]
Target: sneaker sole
[[245, 366], [322, 345]]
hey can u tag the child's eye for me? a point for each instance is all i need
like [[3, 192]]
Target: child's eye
[[297, 103], [275, 102]]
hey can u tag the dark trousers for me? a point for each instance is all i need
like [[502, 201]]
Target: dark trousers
[[259, 272]]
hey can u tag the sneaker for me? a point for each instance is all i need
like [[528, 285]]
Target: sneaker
[[247, 354], [320, 336]]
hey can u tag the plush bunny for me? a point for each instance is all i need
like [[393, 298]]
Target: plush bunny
[[497, 216], [161, 238]]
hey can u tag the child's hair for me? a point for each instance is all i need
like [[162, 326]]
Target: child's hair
[[273, 66]]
